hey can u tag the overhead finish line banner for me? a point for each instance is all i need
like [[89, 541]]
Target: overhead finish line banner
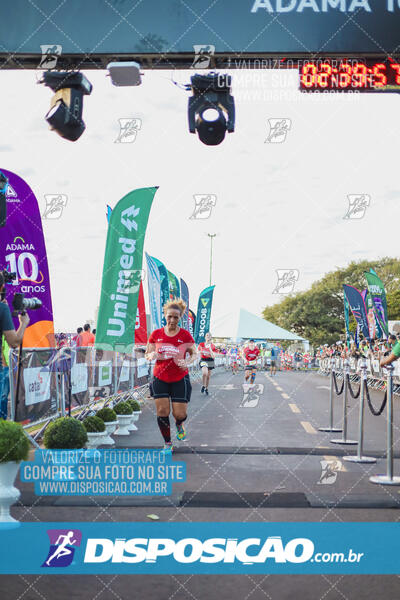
[[201, 548], [122, 271], [157, 27]]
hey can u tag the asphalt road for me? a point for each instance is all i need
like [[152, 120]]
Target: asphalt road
[[257, 459]]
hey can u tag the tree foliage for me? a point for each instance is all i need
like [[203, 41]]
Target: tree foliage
[[317, 314]]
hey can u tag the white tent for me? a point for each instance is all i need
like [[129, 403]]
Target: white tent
[[245, 325]]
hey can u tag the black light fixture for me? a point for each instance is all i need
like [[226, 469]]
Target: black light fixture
[[211, 110], [3, 199], [65, 114]]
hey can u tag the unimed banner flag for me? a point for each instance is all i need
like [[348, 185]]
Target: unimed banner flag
[[154, 287], [358, 308], [23, 252], [203, 314], [185, 298], [378, 295], [122, 271]]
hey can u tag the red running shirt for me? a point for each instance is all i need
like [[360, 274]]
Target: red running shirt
[[170, 349], [205, 349], [251, 354]]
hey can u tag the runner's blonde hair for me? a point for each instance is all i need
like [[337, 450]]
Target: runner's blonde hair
[[177, 304]]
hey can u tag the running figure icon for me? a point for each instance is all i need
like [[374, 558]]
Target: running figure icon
[[62, 550]]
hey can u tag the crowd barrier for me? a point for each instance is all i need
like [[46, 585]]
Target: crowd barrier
[[55, 382], [376, 376]]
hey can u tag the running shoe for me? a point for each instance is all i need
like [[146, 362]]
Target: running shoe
[[202, 389], [206, 391], [180, 432], [168, 448]]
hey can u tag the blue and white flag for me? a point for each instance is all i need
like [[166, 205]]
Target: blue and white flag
[[154, 285]]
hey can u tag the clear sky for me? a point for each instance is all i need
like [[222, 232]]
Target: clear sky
[[279, 205]]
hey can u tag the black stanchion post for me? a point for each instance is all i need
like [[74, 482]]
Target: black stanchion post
[[388, 479], [344, 439], [359, 458], [331, 428]]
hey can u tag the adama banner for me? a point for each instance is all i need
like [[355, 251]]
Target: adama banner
[[203, 314], [23, 251], [378, 298], [122, 271]]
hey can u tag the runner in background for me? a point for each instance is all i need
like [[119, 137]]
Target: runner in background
[[273, 361], [268, 360], [207, 364], [250, 355], [234, 359], [173, 349]]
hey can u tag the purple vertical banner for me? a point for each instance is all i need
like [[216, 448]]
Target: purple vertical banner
[[23, 252]]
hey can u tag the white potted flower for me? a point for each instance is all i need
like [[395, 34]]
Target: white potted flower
[[124, 416], [109, 416], [96, 431], [14, 447], [135, 406]]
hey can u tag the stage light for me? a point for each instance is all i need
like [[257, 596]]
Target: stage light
[[211, 110], [65, 114]]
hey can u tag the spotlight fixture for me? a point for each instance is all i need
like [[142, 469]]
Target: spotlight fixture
[[211, 110], [3, 199], [65, 114]]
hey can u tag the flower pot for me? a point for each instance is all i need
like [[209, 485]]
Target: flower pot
[[132, 426], [111, 426], [8, 493], [123, 423], [96, 438]]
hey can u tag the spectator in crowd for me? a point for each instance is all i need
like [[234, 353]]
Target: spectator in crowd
[[86, 338], [12, 337], [392, 355], [75, 338]]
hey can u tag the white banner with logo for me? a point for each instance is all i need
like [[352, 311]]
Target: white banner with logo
[[37, 385]]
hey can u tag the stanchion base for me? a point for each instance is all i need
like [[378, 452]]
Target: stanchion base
[[385, 480], [345, 442], [360, 459], [330, 429]]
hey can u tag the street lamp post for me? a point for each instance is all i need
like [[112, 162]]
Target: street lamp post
[[211, 236]]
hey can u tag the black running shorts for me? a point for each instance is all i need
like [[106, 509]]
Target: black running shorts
[[207, 362], [177, 391]]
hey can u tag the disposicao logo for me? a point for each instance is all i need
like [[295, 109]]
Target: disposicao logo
[[191, 550], [62, 547]]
